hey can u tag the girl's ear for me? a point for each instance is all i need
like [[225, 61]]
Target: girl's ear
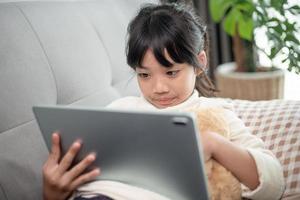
[[202, 59]]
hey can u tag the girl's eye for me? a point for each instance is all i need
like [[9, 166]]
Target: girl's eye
[[172, 73], [143, 75]]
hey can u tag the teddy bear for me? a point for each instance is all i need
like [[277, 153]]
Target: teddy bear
[[222, 184]]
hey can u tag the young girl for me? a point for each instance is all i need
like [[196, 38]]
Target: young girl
[[167, 49]]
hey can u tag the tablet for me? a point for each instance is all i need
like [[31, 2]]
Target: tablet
[[158, 151]]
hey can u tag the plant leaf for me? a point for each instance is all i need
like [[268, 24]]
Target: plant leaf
[[230, 21], [245, 28], [292, 38], [218, 8], [247, 7], [294, 9], [274, 51]]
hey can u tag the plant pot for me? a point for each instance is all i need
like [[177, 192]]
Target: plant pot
[[264, 85]]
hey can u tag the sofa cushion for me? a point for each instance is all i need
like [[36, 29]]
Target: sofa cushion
[[55, 52], [277, 122]]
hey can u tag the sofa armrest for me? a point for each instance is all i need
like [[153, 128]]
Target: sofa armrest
[[277, 123]]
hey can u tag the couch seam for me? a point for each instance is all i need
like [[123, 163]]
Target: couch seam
[[68, 103], [86, 96], [100, 39], [16, 126], [112, 83], [40, 42], [1, 187]]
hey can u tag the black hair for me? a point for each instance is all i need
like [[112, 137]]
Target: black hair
[[174, 28]]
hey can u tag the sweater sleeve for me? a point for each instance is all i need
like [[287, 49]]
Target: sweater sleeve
[[269, 169]]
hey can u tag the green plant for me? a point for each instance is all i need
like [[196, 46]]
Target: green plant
[[240, 19]]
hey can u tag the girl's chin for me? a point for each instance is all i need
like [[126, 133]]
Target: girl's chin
[[161, 106]]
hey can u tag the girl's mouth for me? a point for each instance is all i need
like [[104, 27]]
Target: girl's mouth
[[164, 101]]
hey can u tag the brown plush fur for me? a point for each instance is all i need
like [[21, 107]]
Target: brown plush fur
[[222, 184]]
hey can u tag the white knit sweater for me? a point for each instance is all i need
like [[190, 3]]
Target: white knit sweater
[[269, 169]]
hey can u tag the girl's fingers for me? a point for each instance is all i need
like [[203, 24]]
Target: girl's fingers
[[69, 157], [54, 155], [80, 167], [85, 178]]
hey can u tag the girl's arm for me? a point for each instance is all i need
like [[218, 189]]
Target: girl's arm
[[59, 180], [246, 157], [235, 158]]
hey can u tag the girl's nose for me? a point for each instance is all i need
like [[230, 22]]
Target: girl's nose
[[160, 86]]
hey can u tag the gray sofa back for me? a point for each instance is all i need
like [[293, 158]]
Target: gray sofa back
[[55, 52]]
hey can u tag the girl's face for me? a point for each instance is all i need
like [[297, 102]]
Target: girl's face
[[164, 87]]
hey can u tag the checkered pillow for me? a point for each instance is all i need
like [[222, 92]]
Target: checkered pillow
[[277, 122]]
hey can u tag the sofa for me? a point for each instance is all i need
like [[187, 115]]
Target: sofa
[[73, 53]]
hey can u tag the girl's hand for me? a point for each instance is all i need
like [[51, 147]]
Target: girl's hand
[[59, 180]]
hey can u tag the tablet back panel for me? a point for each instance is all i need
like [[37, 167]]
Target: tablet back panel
[[156, 151]]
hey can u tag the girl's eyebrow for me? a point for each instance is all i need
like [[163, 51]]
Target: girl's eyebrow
[[146, 68], [142, 67]]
